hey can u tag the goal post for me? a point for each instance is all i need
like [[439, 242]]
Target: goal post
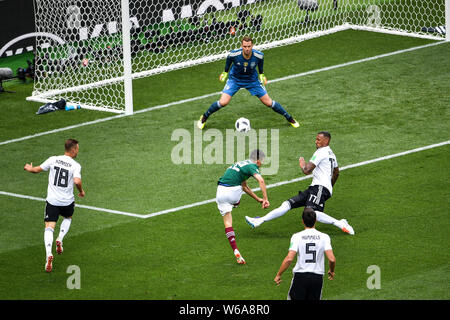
[[128, 88], [88, 52], [447, 19]]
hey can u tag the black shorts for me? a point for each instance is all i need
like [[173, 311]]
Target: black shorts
[[314, 197], [306, 286], [52, 212]]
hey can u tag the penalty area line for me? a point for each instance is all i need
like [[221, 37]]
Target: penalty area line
[[16, 195], [277, 184], [200, 203]]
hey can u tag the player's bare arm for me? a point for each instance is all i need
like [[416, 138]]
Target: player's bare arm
[[335, 176], [250, 192], [332, 263], [29, 167], [77, 182], [262, 185], [285, 265], [307, 168]]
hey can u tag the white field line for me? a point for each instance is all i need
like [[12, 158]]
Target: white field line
[[196, 204], [16, 195], [217, 93]]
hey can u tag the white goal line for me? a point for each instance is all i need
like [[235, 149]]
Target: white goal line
[[200, 203], [217, 93]]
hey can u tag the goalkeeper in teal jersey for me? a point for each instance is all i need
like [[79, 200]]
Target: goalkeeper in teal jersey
[[241, 70], [229, 191]]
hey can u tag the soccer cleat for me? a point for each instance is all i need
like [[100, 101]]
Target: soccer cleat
[[347, 228], [293, 122], [59, 247], [238, 256], [48, 264], [253, 222], [201, 122]]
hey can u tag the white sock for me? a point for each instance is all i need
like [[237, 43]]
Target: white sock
[[64, 228], [48, 240], [324, 218], [278, 212]]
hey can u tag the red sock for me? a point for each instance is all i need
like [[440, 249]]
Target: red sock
[[229, 232]]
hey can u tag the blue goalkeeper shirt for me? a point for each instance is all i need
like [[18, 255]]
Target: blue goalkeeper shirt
[[243, 71]]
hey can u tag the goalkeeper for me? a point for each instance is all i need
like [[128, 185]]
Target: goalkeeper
[[240, 69]]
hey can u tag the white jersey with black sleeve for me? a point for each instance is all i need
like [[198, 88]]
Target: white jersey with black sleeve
[[325, 162], [60, 179], [310, 246]]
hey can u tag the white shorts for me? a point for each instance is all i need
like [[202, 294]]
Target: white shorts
[[227, 197]]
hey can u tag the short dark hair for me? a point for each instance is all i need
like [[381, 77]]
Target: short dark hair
[[247, 39], [70, 143], [257, 155], [325, 134], [309, 217]]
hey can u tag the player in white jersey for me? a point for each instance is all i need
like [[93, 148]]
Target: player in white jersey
[[64, 173], [310, 246], [324, 167]]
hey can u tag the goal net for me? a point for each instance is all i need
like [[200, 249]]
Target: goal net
[[88, 51]]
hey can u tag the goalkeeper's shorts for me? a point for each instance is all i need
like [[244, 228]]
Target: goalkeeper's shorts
[[255, 87]]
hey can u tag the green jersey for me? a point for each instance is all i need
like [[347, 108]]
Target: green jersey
[[238, 173]]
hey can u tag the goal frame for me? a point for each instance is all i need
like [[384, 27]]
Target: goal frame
[[128, 76]]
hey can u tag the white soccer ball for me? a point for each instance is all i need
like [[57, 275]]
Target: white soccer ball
[[242, 125]]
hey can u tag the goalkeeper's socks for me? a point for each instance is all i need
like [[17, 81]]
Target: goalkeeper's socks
[[48, 240], [213, 108], [229, 232], [279, 109]]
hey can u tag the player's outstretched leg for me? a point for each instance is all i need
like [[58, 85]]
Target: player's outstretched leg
[[293, 122], [215, 106], [279, 109], [275, 106], [341, 224], [201, 122], [347, 228], [212, 108], [275, 213]]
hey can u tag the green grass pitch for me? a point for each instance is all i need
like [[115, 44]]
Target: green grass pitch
[[398, 207]]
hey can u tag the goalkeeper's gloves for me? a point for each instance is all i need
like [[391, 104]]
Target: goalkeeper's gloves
[[223, 76], [263, 79]]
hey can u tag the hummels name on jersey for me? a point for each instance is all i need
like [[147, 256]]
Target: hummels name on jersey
[[311, 237]]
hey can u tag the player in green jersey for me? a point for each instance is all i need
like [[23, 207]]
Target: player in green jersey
[[229, 191]]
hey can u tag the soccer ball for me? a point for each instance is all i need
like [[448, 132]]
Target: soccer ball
[[242, 125]]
